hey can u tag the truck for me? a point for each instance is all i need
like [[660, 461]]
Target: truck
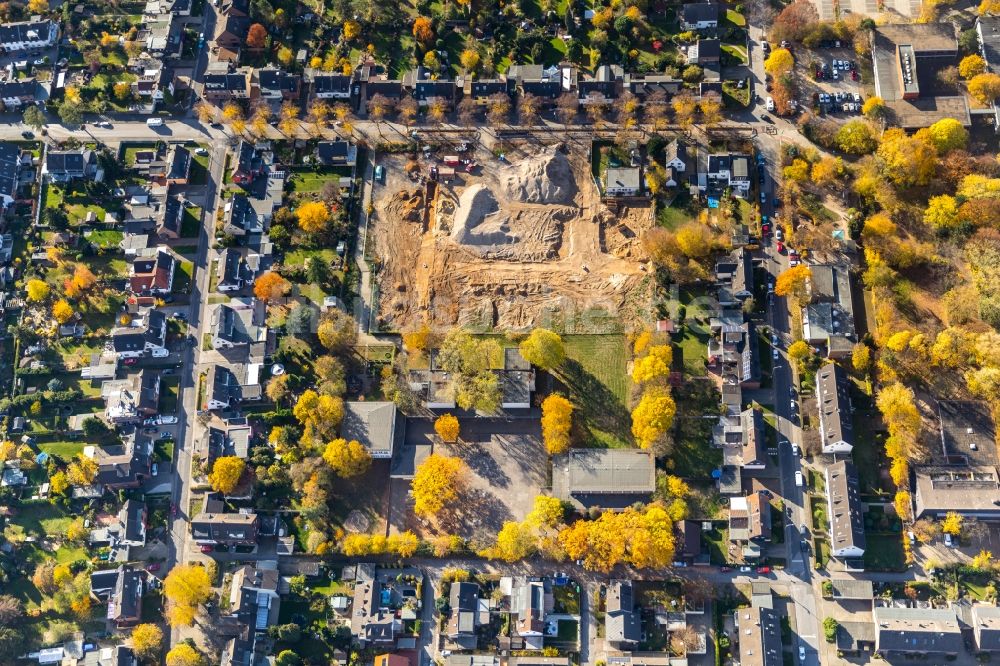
[[154, 122], [451, 160]]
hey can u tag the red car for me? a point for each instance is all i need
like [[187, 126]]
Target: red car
[[206, 548], [763, 570], [765, 229], [780, 246], [155, 566], [130, 361]]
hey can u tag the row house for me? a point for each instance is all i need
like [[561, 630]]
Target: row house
[[278, 85], [28, 35], [15, 94], [147, 336], [221, 87]]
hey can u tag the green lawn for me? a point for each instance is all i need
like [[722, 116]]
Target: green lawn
[[738, 53], [133, 148], [76, 204], [41, 519], [199, 166], [717, 541], [108, 238], [819, 513], [182, 278], [297, 258], [735, 18], [693, 350], [62, 449], [822, 548], [169, 387], [593, 376], [884, 552], [312, 181], [191, 222]]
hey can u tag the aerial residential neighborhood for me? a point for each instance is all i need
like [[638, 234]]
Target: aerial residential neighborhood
[[499, 334]]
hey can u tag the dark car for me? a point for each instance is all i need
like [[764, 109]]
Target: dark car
[[28, 135]]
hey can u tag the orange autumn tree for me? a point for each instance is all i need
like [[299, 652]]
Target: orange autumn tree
[[270, 286]]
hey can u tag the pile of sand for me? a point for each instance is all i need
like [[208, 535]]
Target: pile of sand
[[478, 220], [406, 205], [544, 179]]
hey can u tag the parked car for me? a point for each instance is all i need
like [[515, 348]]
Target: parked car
[[796, 451], [780, 247], [769, 104], [153, 566], [166, 435], [130, 361], [201, 151], [206, 548], [798, 480], [28, 135], [802, 654], [774, 353], [167, 420], [949, 541], [746, 569], [763, 570], [154, 470]]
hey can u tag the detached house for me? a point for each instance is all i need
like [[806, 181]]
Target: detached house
[[132, 522], [152, 275], [249, 164], [530, 603], [148, 337], [125, 601], [65, 165], [464, 601], [233, 273], [700, 16], [238, 326], [336, 153], [213, 527], [241, 217], [750, 522], [622, 625], [728, 172], [222, 388]]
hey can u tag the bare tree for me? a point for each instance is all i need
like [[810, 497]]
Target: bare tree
[[499, 108], [655, 109], [379, 107], [408, 108], [567, 107], [437, 110], [527, 109], [468, 112], [684, 639], [596, 109]]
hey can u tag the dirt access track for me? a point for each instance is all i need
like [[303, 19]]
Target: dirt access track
[[506, 247]]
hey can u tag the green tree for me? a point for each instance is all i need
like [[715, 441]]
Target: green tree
[[70, 115], [33, 117]]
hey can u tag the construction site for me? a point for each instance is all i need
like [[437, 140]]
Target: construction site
[[467, 238]]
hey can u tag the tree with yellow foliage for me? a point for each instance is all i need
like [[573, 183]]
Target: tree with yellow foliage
[[546, 512], [38, 290], [38, 6], [654, 365], [319, 414], [77, 531], [638, 538], [972, 65], [447, 427], [515, 541], [417, 340], [285, 56], [313, 217], [985, 87], [984, 560], [903, 507], [58, 483], [183, 654], [437, 483], [779, 63], [469, 60], [684, 106], [226, 474], [653, 416], [352, 30], [557, 420], [186, 587], [82, 471], [231, 111], [423, 30], [694, 240], [404, 544], [347, 458], [543, 348], [952, 524], [62, 311], [792, 282], [288, 119], [147, 639]]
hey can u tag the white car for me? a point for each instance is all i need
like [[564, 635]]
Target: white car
[[769, 104], [798, 479], [167, 420], [802, 654], [201, 151], [795, 450], [774, 352], [948, 541], [154, 469]]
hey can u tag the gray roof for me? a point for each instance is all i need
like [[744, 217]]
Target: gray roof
[[968, 490], [373, 424], [10, 160], [132, 518], [611, 471], [845, 506], [988, 28], [967, 431], [125, 604], [833, 393], [622, 177], [852, 635], [743, 275], [621, 624], [986, 626], [697, 12], [759, 636], [849, 588], [925, 630], [752, 426]]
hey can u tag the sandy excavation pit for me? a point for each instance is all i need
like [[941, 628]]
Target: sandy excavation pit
[[508, 246]]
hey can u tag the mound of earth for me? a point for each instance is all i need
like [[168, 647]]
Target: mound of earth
[[478, 220], [544, 179]]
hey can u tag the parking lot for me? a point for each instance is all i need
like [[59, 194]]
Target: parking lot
[[826, 73]]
